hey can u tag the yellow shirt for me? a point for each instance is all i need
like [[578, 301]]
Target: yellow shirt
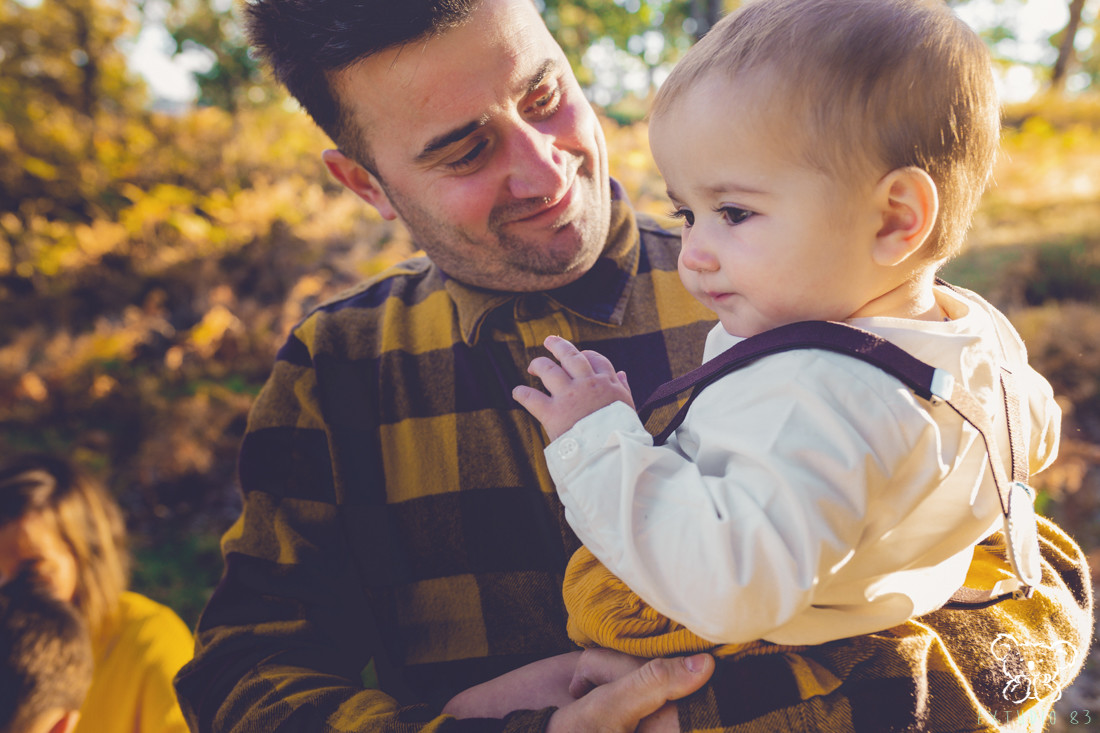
[[131, 688]]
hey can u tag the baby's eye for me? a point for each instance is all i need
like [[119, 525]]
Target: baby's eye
[[684, 215], [734, 214]]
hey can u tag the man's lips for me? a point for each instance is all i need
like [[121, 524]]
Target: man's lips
[[551, 213]]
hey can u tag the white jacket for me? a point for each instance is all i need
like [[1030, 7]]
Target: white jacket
[[809, 496]]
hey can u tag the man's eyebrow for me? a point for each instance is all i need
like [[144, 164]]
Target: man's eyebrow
[[452, 136], [449, 138], [540, 75]]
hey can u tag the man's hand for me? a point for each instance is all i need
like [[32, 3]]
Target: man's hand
[[541, 684], [620, 693], [579, 383]]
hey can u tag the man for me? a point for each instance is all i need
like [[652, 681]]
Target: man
[[45, 659], [400, 539]]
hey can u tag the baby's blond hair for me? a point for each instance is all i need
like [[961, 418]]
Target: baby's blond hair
[[869, 86]]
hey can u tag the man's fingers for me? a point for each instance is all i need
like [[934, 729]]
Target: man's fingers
[[621, 704], [670, 679], [600, 666], [665, 720]]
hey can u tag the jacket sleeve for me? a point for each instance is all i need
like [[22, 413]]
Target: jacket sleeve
[[284, 641], [778, 480]]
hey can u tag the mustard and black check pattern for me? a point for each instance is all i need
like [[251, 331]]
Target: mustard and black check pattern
[[400, 530]]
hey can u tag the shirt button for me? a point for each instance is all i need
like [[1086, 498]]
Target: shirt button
[[568, 448]]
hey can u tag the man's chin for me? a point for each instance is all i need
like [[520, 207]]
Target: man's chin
[[546, 273]]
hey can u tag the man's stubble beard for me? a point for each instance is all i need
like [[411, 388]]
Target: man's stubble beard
[[516, 263]]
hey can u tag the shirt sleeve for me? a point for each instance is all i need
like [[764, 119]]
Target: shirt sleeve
[[1041, 411], [763, 494], [169, 647], [142, 648], [1045, 417], [284, 640]]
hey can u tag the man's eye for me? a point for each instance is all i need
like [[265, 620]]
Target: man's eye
[[734, 214], [545, 105], [469, 158], [684, 215]]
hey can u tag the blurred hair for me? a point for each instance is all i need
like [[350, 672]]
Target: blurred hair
[[867, 85], [45, 655], [306, 41], [86, 518]]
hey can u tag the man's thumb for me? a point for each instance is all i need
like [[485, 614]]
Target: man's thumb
[[670, 679], [621, 705], [648, 688]]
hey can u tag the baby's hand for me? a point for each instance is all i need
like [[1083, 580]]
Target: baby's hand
[[582, 383]]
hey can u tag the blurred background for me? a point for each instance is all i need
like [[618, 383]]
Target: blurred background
[[165, 220]]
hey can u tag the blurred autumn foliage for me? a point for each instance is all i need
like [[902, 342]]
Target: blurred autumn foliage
[[151, 264]]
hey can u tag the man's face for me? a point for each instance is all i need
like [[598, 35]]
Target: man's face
[[485, 146]]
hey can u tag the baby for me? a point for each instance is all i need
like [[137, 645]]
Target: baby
[[825, 158]]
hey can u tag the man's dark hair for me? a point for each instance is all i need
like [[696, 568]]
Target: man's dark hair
[[45, 654], [305, 41]]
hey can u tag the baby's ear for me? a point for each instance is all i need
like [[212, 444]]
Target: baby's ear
[[909, 203]]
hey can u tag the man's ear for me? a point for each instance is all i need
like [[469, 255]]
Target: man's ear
[[909, 203], [359, 181]]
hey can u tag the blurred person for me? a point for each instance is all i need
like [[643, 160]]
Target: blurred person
[[45, 659], [65, 527], [400, 539]]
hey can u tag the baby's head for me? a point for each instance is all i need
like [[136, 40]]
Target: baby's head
[[843, 93]]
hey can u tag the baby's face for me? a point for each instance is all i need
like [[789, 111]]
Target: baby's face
[[768, 239]]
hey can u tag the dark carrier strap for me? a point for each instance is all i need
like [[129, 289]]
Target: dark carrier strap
[[935, 385]]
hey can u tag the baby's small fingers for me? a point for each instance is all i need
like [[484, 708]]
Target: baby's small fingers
[[541, 365], [600, 364], [572, 361], [530, 398], [553, 376], [626, 385]]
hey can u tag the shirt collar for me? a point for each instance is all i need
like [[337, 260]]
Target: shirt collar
[[600, 295]]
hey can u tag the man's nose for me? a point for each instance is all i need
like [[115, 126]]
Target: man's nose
[[537, 167]]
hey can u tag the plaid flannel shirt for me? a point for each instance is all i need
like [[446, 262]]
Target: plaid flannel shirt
[[401, 540]]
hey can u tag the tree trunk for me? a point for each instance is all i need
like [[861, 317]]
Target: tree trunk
[[82, 30], [705, 13], [1066, 48]]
